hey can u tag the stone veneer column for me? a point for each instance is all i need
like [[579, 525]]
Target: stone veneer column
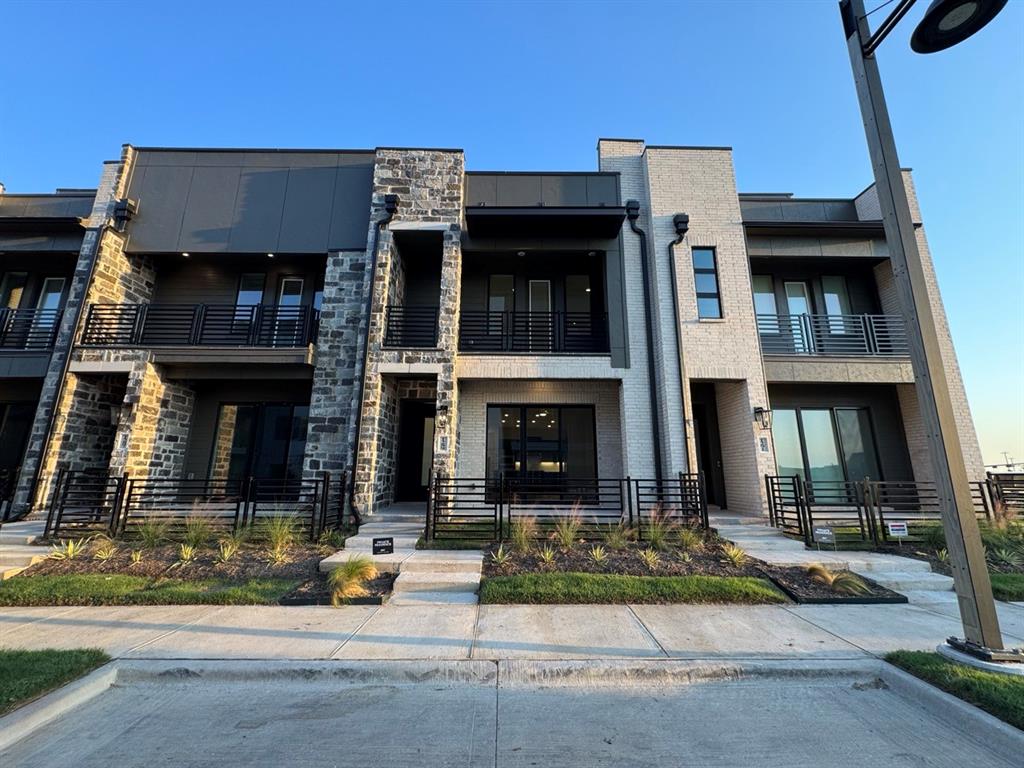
[[429, 186]]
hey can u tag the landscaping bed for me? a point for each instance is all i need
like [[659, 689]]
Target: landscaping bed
[[673, 564], [277, 568], [317, 591], [998, 694], [27, 675]]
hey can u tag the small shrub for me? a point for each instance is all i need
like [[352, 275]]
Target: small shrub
[[598, 554], [105, 551], [618, 536], [186, 554], [547, 555], [226, 550], [348, 579], [942, 556], [689, 539], [933, 536], [68, 550], [136, 556], [1004, 558], [152, 533], [567, 528], [331, 541], [198, 530], [522, 531], [500, 557], [659, 529], [279, 532], [843, 582], [685, 557], [277, 556], [650, 557], [734, 555]]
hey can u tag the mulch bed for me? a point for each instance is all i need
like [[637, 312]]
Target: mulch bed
[[704, 561], [316, 592], [251, 562]]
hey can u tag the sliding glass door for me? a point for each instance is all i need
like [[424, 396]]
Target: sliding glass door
[[264, 440], [825, 444], [531, 442]]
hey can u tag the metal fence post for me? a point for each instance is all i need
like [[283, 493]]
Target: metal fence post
[[115, 511], [804, 510]]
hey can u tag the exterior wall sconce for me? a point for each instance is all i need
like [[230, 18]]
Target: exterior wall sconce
[[763, 417]]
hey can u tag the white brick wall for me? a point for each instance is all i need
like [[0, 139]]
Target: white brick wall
[[476, 395]]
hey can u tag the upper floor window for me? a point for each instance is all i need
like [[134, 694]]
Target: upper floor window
[[705, 277], [250, 289]]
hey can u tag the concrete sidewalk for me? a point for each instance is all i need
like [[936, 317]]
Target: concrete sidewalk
[[495, 631]]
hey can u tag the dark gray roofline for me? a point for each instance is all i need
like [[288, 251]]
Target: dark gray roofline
[[251, 149], [789, 197], [542, 173], [686, 146]]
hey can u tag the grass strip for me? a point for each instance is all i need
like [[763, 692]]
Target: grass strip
[[998, 694], [1008, 586], [27, 675], [614, 588], [116, 589]]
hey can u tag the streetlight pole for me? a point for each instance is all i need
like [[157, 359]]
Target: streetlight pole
[[963, 539]]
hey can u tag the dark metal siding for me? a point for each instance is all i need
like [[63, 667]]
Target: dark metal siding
[[531, 189], [250, 202]]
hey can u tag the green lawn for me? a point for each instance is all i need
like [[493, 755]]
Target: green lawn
[[103, 589], [997, 694], [27, 675], [1008, 586], [614, 588]]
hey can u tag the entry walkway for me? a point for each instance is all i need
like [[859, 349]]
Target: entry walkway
[[911, 577]]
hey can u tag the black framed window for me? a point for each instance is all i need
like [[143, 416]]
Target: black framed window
[[265, 440], [705, 278], [826, 444], [541, 441]]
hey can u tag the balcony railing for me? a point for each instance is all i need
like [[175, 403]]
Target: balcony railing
[[29, 329], [411, 327], [199, 325], [833, 335], [533, 332]]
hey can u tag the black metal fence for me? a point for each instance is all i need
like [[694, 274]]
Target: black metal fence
[[860, 511], [87, 503], [839, 335], [483, 508], [29, 329], [533, 332], [411, 327], [199, 325]]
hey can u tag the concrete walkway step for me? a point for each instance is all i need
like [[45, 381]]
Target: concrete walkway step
[[21, 554], [902, 582], [430, 581], [433, 598], [390, 529]]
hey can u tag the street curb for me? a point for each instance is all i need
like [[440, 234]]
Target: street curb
[[984, 728], [25, 720]]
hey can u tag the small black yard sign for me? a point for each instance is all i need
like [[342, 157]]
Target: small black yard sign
[[824, 534], [384, 546]]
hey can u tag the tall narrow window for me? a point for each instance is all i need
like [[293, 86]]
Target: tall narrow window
[[501, 294], [837, 304], [250, 289], [705, 277], [12, 288]]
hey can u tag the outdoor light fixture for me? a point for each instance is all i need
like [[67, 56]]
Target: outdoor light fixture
[[520, 253], [945, 23], [763, 417], [270, 255], [185, 254], [948, 22]]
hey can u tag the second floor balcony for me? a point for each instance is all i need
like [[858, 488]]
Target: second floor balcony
[[833, 335], [533, 332], [31, 330], [199, 325]]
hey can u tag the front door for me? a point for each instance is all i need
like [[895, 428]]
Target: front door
[[707, 441], [415, 450], [798, 306]]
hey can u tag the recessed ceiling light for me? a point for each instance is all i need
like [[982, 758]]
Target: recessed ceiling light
[[270, 255], [520, 253], [185, 254]]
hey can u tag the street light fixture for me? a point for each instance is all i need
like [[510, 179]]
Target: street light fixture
[[945, 23]]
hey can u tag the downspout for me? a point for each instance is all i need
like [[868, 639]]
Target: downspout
[[633, 213], [390, 207], [681, 222]]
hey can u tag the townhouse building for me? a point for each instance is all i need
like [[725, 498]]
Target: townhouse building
[[389, 316]]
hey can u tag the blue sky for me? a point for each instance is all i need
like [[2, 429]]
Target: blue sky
[[532, 86]]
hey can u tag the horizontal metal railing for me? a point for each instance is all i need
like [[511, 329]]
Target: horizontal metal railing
[[483, 508], [411, 327], [860, 510], [29, 329], [199, 325], [533, 332], [90, 503], [833, 335]]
